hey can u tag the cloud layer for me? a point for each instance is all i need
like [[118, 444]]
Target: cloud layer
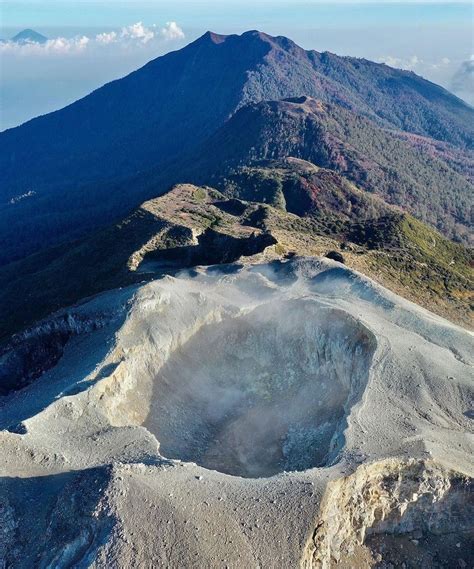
[[134, 35], [463, 81], [413, 62]]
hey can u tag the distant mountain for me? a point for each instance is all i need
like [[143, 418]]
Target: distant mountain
[[29, 36], [70, 161]]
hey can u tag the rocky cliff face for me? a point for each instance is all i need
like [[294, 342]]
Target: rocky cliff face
[[370, 517]]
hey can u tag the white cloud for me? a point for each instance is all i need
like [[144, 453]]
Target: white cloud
[[409, 63], [58, 45], [171, 31], [415, 63], [462, 82], [138, 32], [106, 37], [442, 63], [135, 35]]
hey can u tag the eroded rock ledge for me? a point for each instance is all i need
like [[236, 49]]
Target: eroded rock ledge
[[392, 512]]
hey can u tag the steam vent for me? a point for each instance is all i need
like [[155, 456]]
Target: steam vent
[[274, 395], [233, 416]]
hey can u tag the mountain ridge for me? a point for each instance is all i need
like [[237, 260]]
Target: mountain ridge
[[404, 173], [289, 206]]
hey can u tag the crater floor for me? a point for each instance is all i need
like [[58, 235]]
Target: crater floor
[[280, 414], [262, 392]]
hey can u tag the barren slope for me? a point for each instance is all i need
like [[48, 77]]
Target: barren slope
[[162, 432]]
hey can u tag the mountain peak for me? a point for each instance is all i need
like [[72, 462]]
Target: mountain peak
[[257, 34], [275, 41], [29, 36], [213, 37]]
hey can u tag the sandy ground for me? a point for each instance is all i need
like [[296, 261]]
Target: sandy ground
[[309, 417]]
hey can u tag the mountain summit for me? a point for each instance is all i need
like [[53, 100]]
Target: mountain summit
[[67, 160]]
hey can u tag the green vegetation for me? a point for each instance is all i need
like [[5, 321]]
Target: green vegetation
[[200, 195], [428, 184], [263, 185], [385, 243], [428, 260], [393, 247]]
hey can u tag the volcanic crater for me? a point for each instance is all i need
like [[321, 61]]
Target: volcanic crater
[[264, 392]]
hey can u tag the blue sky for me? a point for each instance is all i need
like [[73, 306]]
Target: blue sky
[[229, 14], [435, 39]]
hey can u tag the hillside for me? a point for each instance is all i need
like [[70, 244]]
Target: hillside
[[277, 207], [59, 171], [427, 184], [313, 209], [182, 228]]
